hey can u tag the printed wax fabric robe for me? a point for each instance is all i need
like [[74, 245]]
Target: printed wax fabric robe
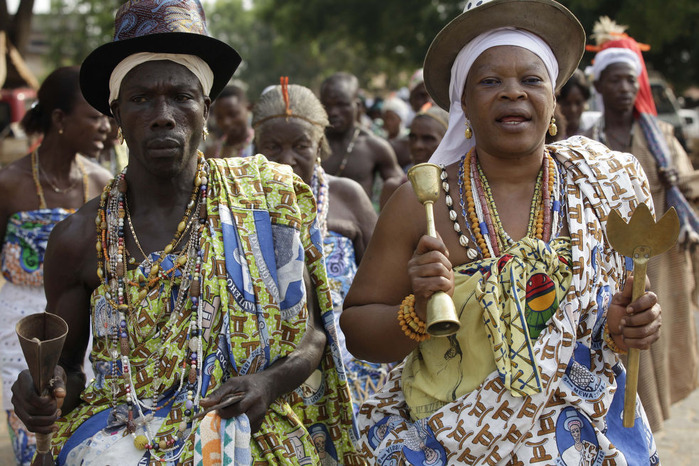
[[576, 418], [261, 235]]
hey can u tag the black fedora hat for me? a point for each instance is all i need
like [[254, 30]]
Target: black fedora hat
[[156, 26], [548, 19]]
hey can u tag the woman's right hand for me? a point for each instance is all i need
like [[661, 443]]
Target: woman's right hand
[[429, 270], [39, 413]]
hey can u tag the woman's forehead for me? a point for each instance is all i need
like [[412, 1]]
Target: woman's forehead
[[284, 128], [494, 58]]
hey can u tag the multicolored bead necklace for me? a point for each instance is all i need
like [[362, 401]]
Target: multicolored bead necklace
[[319, 186], [480, 212], [112, 258]]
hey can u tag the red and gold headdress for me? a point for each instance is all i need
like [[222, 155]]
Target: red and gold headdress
[[608, 34]]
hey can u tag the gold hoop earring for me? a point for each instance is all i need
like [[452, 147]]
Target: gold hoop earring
[[60, 131], [468, 133], [553, 129], [120, 136], [205, 133]]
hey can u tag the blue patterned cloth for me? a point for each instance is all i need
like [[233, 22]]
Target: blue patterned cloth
[[365, 378], [24, 244]]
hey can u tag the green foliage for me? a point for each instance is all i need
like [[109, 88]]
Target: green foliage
[[381, 42], [75, 28]]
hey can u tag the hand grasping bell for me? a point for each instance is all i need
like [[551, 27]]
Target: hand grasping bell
[[441, 315]]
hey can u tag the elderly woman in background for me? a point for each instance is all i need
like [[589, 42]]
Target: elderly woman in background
[[426, 132], [533, 375], [395, 113], [36, 192], [289, 123]]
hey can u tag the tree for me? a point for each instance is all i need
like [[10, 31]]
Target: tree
[[671, 28], [77, 27], [397, 33], [391, 38], [17, 28]]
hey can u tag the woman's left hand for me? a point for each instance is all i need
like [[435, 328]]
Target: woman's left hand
[[634, 324]]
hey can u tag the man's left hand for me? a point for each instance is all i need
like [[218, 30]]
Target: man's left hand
[[256, 398]]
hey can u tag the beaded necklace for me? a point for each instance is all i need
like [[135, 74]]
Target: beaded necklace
[[480, 212], [111, 258], [319, 186], [348, 151], [471, 252], [36, 169]]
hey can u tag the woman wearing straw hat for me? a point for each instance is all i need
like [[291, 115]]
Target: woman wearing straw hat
[[540, 294]]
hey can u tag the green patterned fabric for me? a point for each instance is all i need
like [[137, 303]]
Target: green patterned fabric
[[261, 235]]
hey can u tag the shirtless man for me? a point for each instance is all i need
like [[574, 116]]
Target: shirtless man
[[356, 153]]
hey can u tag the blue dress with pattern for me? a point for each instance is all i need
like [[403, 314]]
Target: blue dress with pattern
[[365, 378]]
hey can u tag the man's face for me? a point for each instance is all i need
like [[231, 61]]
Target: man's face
[[341, 106], [618, 86], [162, 111]]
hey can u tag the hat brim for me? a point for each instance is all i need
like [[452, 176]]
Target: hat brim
[[98, 66], [553, 22]]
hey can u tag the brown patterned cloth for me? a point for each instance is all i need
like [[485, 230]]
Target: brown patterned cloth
[[577, 417]]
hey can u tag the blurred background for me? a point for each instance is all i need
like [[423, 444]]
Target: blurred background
[[382, 43]]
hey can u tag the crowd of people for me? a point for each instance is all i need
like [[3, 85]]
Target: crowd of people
[[246, 278]]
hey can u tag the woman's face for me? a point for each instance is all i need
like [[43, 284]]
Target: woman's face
[[572, 106], [289, 141], [425, 135], [391, 123], [508, 98], [86, 128]]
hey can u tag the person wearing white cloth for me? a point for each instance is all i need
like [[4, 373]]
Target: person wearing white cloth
[[541, 296]]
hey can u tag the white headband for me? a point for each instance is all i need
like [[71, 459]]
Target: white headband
[[454, 144], [615, 55], [193, 63]]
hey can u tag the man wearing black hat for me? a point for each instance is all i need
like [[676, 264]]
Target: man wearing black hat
[[197, 275]]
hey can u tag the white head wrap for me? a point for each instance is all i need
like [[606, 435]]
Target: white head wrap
[[397, 106], [454, 144], [193, 63], [615, 55]]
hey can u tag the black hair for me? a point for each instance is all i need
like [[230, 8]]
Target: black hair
[[233, 91], [576, 80], [342, 77], [60, 90]]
